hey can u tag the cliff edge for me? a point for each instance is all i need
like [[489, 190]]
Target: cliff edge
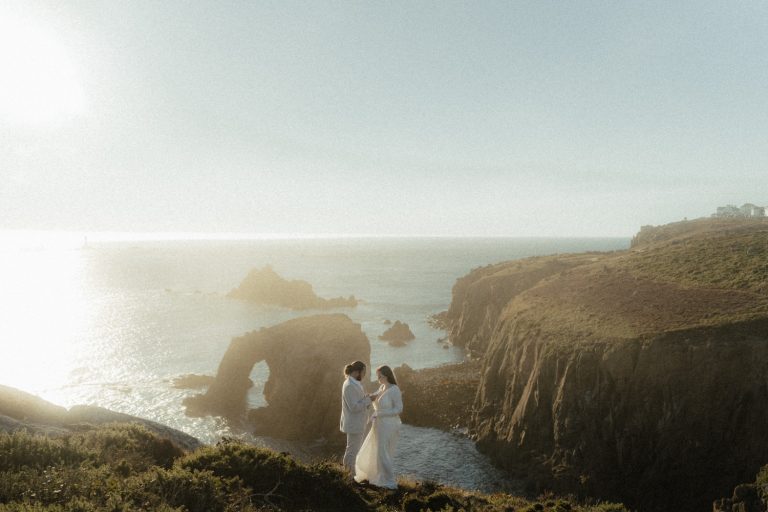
[[636, 375]]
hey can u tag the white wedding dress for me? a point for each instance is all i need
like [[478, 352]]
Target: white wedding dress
[[375, 460]]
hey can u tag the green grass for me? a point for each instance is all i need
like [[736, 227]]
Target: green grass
[[735, 262], [126, 468]]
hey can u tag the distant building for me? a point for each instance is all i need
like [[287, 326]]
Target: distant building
[[751, 210], [728, 211], [747, 210]]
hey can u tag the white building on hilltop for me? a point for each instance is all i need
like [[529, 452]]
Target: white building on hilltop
[[747, 210]]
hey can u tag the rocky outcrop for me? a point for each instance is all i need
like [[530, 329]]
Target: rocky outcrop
[[636, 375], [751, 497], [192, 381], [22, 411], [399, 334], [306, 357], [439, 321], [439, 397], [265, 286]]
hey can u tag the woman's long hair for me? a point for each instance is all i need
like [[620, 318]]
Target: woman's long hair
[[388, 373], [357, 366]]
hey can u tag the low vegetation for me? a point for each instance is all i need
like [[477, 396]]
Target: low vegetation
[[751, 497], [127, 468], [738, 262]]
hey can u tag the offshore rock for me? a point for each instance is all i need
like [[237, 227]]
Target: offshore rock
[[306, 357], [265, 286], [398, 335]]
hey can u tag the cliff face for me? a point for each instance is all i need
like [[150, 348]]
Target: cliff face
[[638, 375], [306, 357], [662, 422]]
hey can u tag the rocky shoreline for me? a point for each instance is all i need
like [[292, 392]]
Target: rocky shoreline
[[441, 397]]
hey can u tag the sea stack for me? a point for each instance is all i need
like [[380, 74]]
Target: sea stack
[[265, 286], [398, 335]]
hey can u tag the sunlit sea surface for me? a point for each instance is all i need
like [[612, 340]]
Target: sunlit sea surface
[[111, 323]]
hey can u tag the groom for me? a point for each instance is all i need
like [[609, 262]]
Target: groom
[[354, 412]]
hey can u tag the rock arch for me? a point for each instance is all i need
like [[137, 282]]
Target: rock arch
[[306, 357]]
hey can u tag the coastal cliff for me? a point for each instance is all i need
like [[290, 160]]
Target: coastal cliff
[[479, 297], [637, 375], [306, 357]]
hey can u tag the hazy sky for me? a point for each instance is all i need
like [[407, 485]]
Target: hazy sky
[[448, 118]]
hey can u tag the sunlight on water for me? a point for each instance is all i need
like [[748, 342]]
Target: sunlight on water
[[44, 316]]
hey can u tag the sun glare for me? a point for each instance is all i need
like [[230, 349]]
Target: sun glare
[[39, 83], [43, 317]]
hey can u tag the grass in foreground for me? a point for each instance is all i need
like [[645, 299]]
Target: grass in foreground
[[126, 468]]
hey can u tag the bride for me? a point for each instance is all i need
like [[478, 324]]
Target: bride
[[375, 461]]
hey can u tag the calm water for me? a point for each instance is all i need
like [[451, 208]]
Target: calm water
[[112, 324]]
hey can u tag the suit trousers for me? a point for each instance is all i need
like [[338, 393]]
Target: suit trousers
[[354, 441]]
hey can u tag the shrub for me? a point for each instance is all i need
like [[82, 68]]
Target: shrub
[[442, 501], [21, 449], [57, 485], [193, 491], [129, 446], [413, 503], [609, 507], [276, 479]]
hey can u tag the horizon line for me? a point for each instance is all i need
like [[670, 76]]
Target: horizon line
[[20, 235]]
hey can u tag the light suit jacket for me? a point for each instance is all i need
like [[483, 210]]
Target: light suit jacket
[[354, 407]]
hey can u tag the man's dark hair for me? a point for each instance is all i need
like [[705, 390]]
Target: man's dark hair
[[357, 366]]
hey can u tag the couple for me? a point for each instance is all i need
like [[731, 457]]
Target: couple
[[371, 457]]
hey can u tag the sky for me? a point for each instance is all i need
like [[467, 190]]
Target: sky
[[540, 118]]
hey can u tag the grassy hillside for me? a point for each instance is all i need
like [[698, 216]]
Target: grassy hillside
[[707, 275], [127, 468]]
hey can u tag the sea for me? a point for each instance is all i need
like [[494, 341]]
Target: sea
[[112, 321]]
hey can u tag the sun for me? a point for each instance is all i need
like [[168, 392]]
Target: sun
[[39, 83]]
